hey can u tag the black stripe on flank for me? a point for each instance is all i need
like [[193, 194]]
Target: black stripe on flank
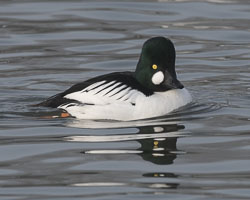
[[126, 94], [121, 84], [78, 104], [70, 105], [95, 86], [123, 95], [105, 87]]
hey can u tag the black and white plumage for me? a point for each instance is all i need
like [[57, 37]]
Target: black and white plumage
[[152, 90], [114, 87]]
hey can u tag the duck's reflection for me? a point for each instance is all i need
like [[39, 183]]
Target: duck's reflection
[[157, 141], [160, 150], [157, 145], [154, 142]]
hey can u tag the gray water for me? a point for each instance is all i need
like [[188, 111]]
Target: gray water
[[199, 152]]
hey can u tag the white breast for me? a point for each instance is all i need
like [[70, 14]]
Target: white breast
[[162, 103]]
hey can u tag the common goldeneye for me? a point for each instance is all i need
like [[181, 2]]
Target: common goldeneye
[[152, 90]]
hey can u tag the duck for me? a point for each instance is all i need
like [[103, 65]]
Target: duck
[[152, 90]]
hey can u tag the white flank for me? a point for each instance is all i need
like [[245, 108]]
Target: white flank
[[128, 104]]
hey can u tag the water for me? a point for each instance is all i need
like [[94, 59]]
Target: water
[[199, 152]]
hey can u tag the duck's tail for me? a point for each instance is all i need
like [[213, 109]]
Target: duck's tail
[[55, 101]]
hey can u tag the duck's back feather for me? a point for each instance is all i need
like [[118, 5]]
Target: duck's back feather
[[109, 87]]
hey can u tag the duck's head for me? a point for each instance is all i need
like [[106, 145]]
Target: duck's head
[[156, 67]]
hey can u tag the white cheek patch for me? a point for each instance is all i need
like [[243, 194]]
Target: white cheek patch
[[158, 78]]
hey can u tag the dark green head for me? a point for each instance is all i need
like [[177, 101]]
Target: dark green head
[[156, 67]]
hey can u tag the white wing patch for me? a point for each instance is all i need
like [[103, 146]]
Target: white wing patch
[[103, 93]]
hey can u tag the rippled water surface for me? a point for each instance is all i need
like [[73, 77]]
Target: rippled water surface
[[199, 152]]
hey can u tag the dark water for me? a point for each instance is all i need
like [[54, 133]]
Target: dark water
[[199, 152]]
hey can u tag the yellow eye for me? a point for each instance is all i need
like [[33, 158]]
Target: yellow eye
[[154, 66]]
